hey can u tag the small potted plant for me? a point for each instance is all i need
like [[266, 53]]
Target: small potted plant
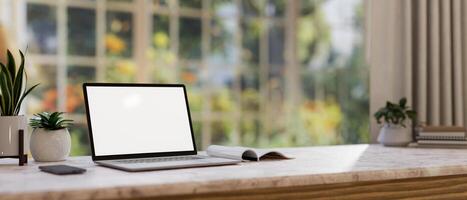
[[12, 93], [50, 139], [393, 117]]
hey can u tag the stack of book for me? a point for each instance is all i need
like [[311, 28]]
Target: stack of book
[[441, 136]]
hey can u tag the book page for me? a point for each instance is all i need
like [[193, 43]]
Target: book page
[[270, 155], [236, 153], [244, 153]]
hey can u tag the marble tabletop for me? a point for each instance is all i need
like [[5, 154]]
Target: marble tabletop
[[311, 166]]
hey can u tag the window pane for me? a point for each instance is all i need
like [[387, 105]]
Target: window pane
[[276, 86], [195, 96], [309, 6], [191, 3], [161, 35], [190, 38], [253, 7], [276, 44], [79, 140], [223, 48], [313, 32], [44, 97], [118, 40], [163, 73], [224, 8], [275, 107], [161, 2], [190, 74], [222, 100], [250, 130], [252, 29], [42, 28], [120, 1], [222, 81], [198, 133], [222, 132], [77, 75], [161, 56], [250, 95], [334, 76], [81, 32], [250, 100], [275, 8], [123, 71]]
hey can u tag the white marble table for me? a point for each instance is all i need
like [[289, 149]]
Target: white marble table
[[312, 167]]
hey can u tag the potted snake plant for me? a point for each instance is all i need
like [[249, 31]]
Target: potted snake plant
[[12, 93], [50, 139], [393, 116]]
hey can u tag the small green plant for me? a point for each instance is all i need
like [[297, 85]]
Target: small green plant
[[395, 114], [12, 86], [50, 121]]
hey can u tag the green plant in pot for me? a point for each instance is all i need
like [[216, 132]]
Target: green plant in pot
[[395, 131], [50, 139], [13, 91]]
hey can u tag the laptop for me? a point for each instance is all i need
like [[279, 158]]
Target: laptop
[[140, 127]]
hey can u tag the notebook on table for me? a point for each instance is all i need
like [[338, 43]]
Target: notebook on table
[[441, 137], [244, 153], [441, 133]]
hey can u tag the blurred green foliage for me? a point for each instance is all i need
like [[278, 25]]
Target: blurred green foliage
[[236, 101]]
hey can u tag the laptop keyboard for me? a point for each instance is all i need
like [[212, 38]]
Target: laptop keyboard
[[161, 159]]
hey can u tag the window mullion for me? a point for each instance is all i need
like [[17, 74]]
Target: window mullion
[[141, 21], [263, 79], [293, 87], [100, 44], [62, 54], [174, 36], [237, 79], [205, 84]]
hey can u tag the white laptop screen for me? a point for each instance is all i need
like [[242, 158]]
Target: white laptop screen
[[136, 120]]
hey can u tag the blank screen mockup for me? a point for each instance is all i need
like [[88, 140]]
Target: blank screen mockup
[[134, 120]]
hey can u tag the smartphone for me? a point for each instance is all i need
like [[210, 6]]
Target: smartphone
[[62, 169]]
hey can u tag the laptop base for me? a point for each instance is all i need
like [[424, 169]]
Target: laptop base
[[136, 167]]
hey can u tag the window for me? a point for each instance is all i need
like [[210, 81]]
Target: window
[[259, 72]]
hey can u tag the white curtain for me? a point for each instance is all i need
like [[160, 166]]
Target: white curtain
[[418, 49]]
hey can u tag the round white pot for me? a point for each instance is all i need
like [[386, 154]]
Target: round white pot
[[9, 127], [50, 145], [394, 135]]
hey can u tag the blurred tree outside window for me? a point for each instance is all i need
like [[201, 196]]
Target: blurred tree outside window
[[245, 85]]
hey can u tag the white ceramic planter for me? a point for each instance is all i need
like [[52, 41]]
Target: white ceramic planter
[[50, 146], [394, 135], [9, 126]]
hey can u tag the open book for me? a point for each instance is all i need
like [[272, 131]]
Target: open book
[[243, 153]]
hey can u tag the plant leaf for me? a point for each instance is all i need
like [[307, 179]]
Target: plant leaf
[[50, 121], [6, 94], [18, 106], [395, 113], [18, 81], [11, 64], [6, 74], [403, 102], [388, 104], [2, 105]]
